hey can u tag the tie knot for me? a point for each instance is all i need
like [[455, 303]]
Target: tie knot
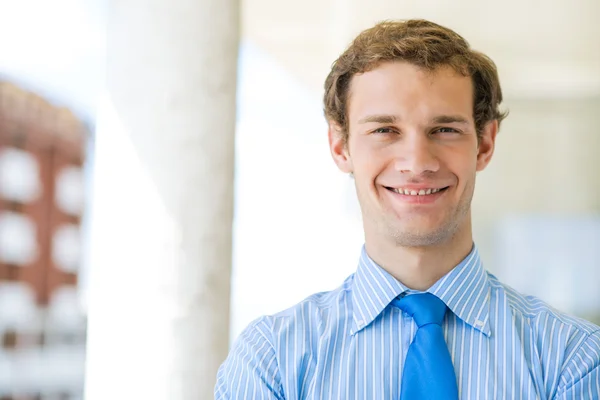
[[424, 308]]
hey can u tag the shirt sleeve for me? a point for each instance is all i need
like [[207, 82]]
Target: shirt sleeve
[[581, 376], [251, 370]]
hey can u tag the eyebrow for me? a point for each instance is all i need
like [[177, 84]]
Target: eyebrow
[[379, 118], [390, 119], [450, 119]]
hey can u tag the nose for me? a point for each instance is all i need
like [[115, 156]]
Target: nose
[[416, 155]]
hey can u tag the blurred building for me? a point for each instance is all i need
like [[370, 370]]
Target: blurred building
[[42, 326]]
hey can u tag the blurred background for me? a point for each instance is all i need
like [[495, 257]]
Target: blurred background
[[70, 182]]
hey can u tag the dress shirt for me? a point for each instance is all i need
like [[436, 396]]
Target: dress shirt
[[350, 343]]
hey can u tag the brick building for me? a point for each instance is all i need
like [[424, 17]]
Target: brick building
[[42, 326]]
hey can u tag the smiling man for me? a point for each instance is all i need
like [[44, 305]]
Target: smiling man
[[413, 115]]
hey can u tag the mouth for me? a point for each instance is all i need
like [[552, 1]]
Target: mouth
[[417, 192]]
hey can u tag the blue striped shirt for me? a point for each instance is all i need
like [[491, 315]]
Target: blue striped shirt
[[350, 343]]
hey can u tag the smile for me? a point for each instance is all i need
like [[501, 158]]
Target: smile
[[414, 192]]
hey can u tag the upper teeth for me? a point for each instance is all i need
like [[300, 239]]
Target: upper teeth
[[421, 192]]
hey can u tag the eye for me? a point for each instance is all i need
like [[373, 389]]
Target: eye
[[384, 131], [446, 130]]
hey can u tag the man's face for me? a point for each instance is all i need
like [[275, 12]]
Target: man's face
[[413, 151]]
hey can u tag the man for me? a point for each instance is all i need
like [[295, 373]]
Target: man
[[413, 115]]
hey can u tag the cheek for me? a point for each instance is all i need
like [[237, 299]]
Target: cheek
[[371, 157], [464, 168], [467, 177], [463, 161], [368, 168]]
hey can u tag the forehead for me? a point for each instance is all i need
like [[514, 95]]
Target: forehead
[[401, 88]]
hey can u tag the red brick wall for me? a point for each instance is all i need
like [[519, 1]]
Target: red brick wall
[[41, 186]]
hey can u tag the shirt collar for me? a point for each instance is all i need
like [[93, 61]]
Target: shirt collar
[[465, 290], [373, 289]]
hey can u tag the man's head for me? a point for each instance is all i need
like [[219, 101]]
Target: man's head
[[413, 109]]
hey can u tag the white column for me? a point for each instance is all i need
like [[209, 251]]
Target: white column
[[162, 201]]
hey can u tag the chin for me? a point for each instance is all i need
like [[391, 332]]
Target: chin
[[420, 239], [421, 233]]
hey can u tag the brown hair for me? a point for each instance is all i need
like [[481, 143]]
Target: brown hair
[[424, 44]]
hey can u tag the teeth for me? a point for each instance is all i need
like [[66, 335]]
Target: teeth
[[421, 192]]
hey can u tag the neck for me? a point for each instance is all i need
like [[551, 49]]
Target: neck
[[419, 268]]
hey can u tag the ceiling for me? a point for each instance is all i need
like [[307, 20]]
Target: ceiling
[[542, 48]]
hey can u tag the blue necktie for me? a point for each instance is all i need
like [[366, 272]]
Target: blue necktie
[[428, 370]]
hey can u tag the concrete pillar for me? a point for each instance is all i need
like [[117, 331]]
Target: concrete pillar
[[162, 204]]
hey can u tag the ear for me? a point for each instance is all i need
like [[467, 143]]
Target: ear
[[487, 143], [339, 148]]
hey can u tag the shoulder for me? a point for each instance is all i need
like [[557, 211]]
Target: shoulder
[[309, 314], [580, 378], [261, 354], [251, 366], [569, 346], [536, 310], [315, 312]]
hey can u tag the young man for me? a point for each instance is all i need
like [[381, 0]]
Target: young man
[[413, 115]]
